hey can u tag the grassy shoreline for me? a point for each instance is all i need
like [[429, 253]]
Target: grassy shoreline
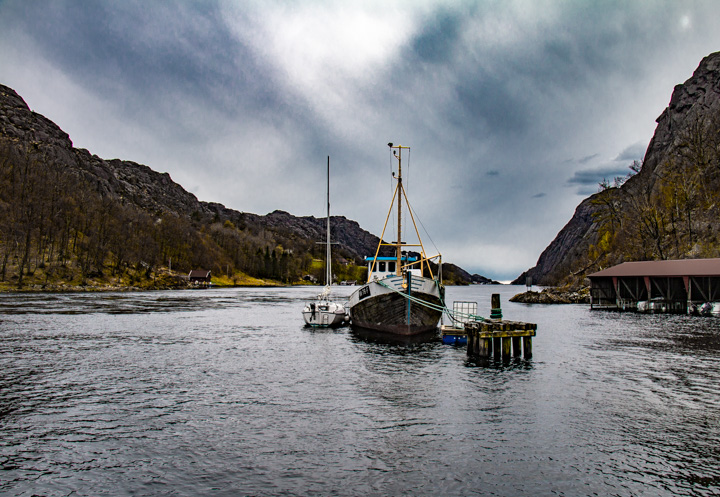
[[40, 282]]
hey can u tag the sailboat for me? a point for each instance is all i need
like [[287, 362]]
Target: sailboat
[[402, 296], [323, 312]]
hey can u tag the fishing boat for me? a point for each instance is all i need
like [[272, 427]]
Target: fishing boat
[[402, 296], [323, 312]]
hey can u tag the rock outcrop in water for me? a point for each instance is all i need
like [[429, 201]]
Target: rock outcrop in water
[[669, 209], [553, 296]]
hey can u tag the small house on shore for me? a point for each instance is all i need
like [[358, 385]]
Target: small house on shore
[[673, 286], [199, 277]]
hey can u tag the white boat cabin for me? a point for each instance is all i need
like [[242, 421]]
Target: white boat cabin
[[387, 266]]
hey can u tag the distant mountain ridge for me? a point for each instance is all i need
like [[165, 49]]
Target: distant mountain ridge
[[245, 241], [669, 209]]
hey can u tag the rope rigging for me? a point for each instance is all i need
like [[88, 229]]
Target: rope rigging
[[412, 209], [458, 317]]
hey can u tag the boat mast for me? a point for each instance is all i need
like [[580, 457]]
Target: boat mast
[[399, 231], [398, 246], [328, 271]]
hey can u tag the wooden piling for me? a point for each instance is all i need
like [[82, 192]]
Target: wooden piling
[[527, 347], [500, 339], [495, 310], [506, 344], [516, 346], [484, 347]]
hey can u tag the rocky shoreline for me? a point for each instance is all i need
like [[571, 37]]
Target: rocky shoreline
[[554, 296]]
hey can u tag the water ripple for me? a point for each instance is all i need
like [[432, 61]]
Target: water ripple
[[225, 392]]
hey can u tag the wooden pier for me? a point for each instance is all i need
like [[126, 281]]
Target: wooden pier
[[500, 339], [492, 337]]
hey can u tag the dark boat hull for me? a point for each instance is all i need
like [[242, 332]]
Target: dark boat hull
[[394, 313]]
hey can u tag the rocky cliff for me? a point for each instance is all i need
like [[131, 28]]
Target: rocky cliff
[[667, 210], [132, 182]]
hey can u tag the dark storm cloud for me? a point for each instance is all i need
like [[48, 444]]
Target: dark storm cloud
[[151, 52], [595, 176], [631, 153], [588, 180], [487, 105], [509, 94], [437, 37]]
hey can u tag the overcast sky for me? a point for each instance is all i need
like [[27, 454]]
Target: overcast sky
[[514, 110]]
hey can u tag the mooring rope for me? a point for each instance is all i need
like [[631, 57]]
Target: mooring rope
[[456, 316]]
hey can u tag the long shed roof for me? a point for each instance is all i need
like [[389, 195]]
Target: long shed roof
[[677, 268]]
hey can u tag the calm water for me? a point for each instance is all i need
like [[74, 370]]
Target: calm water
[[224, 392]]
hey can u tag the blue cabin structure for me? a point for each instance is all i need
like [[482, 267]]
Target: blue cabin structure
[[385, 266]]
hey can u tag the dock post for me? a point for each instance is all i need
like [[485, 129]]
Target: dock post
[[477, 346], [506, 341], [527, 347], [488, 342], [472, 341], [495, 310], [497, 347], [484, 348], [516, 346]]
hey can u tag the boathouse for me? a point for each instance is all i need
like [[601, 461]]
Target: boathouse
[[673, 286], [199, 277]]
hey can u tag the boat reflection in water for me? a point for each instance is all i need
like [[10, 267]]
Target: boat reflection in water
[[381, 337]]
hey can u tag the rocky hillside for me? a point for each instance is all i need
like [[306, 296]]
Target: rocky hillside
[[668, 210], [149, 190], [62, 207]]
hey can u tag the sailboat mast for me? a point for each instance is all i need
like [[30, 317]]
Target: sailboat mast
[[328, 271]]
